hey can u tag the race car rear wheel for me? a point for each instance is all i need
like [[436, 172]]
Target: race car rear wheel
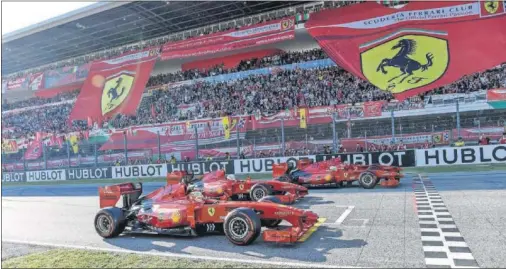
[[110, 222], [259, 191], [242, 226], [367, 180]]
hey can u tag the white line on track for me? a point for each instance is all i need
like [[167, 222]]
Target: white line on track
[[182, 256], [345, 214]]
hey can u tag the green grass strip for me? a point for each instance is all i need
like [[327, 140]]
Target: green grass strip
[[70, 258]]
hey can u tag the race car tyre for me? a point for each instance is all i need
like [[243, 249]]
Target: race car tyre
[[110, 222], [242, 226], [367, 180], [259, 191]]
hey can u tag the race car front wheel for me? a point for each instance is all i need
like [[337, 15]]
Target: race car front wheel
[[259, 191], [110, 222], [242, 226], [367, 180]]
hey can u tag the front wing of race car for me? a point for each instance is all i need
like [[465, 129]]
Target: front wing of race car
[[304, 223]]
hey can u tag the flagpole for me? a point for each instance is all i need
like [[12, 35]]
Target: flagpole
[[196, 142], [68, 151], [44, 154], [126, 147], [238, 146]]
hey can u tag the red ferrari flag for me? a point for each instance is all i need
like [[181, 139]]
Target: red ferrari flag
[[115, 86], [415, 48]]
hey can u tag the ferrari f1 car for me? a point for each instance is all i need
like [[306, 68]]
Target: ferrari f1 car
[[177, 209], [335, 173], [218, 186]]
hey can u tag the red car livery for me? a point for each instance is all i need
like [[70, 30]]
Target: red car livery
[[335, 173], [178, 209], [218, 186]]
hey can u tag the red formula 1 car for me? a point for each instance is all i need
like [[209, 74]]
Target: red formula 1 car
[[177, 209], [219, 186], [335, 173]]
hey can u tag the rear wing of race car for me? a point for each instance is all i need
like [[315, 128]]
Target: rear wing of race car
[[109, 195], [280, 169], [175, 177]]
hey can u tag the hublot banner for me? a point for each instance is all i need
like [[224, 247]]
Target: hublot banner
[[461, 155], [139, 171], [395, 158], [13, 177], [90, 173], [46, 175], [264, 165], [200, 168]]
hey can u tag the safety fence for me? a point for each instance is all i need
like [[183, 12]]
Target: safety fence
[[280, 135], [488, 154]]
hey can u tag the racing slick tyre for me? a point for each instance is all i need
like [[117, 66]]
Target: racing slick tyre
[[242, 226], [110, 222], [259, 191], [367, 180]]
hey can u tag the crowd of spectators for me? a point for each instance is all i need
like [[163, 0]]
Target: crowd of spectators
[[38, 101], [257, 94], [282, 58]]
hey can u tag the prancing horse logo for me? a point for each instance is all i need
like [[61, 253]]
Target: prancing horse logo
[[116, 89], [418, 60], [211, 211], [403, 62]]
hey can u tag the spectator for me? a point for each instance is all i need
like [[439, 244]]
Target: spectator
[[460, 142], [502, 140], [483, 140]]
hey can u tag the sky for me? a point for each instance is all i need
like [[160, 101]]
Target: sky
[[17, 15]]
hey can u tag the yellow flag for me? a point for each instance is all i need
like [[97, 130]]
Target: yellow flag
[[74, 144], [226, 126], [303, 118]]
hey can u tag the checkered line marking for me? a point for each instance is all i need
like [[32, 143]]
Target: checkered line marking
[[443, 245]]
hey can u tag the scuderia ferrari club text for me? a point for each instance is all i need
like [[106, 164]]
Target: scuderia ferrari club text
[[139, 171]]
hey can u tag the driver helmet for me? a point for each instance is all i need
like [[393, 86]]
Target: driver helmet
[[196, 194], [333, 168], [231, 177], [291, 166]]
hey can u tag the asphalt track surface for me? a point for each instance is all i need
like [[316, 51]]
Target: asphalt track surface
[[364, 228]]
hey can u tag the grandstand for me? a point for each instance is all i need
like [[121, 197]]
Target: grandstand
[[260, 89]]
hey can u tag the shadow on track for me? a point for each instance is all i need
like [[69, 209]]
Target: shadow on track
[[321, 243]]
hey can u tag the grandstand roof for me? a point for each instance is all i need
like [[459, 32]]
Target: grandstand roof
[[106, 25]]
